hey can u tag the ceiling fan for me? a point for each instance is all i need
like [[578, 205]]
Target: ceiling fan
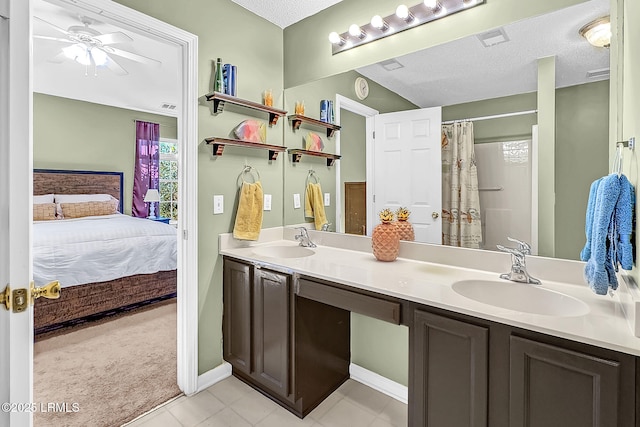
[[88, 46]]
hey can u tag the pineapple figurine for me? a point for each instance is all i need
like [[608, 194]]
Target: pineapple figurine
[[385, 240], [405, 229]]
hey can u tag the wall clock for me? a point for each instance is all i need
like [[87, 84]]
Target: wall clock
[[362, 88]]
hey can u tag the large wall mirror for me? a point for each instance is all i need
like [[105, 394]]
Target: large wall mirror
[[469, 79]]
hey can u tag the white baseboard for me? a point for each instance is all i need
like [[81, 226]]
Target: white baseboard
[[378, 382], [213, 376]]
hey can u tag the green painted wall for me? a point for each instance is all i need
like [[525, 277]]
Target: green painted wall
[[229, 31], [308, 52], [295, 174], [504, 129], [70, 134], [582, 131]]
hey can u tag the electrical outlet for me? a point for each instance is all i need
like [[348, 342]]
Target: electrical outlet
[[267, 202], [218, 204], [296, 201], [327, 199]]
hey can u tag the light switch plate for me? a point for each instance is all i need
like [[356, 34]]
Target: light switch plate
[[218, 204], [327, 199], [296, 201], [267, 202]]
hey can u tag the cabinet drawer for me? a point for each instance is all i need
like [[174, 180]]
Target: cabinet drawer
[[372, 306]]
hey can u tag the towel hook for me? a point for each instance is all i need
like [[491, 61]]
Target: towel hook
[[249, 170], [312, 174]]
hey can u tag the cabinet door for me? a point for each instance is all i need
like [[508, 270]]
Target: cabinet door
[[236, 325], [449, 371], [555, 387], [271, 313]]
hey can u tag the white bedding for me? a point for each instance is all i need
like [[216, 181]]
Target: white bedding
[[101, 248]]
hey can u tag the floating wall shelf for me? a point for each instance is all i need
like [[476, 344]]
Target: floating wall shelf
[[219, 99], [297, 154], [219, 144], [297, 119]]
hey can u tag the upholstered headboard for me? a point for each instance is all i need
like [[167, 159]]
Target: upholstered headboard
[[57, 181]]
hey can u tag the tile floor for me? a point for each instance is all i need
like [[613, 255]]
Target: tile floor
[[231, 403]]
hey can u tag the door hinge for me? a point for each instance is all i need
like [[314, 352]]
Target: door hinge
[[17, 300], [185, 235], [374, 198], [374, 134]]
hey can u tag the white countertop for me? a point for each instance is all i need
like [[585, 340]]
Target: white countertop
[[431, 284]]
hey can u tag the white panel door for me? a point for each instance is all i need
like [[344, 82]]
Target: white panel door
[[408, 169], [16, 329]]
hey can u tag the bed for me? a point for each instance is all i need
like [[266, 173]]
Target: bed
[[105, 263]]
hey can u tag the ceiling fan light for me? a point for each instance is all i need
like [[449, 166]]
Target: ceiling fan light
[[74, 51], [99, 56]]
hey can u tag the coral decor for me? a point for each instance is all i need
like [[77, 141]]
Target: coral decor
[[385, 240], [405, 229]]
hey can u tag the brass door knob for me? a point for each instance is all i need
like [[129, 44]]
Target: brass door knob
[[49, 291], [435, 215]]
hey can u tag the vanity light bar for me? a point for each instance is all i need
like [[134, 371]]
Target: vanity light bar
[[425, 11]]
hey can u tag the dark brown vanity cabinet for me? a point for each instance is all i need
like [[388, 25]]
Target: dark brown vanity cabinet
[[450, 372], [472, 372], [292, 349]]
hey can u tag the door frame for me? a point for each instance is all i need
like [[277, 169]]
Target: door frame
[[342, 102], [187, 286]]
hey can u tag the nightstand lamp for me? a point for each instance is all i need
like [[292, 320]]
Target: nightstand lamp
[[152, 196]]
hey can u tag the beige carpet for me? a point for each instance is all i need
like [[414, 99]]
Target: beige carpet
[[113, 371]]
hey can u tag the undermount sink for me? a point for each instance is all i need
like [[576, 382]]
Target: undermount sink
[[521, 297], [283, 251]]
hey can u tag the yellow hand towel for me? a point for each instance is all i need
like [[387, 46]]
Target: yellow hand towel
[[314, 205], [249, 216]]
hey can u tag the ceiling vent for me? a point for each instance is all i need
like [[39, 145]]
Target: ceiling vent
[[391, 64], [602, 73], [493, 37], [167, 106]]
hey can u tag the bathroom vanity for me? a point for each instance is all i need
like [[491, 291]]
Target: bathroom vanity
[[286, 332]]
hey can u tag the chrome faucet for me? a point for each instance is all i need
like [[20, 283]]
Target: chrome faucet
[[325, 226], [304, 238], [518, 271]]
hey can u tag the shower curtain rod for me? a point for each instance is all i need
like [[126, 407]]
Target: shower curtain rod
[[495, 116]]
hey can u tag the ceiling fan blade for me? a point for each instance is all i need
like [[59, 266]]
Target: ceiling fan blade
[[132, 56], [116, 37], [54, 39], [112, 65], [58, 59], [55, 27]]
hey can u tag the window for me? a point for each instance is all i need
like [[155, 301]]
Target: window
[[169, 179]]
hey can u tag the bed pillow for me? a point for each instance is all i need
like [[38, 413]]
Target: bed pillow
[[80, 198], [82, 209], [44, 198], [44, 211]]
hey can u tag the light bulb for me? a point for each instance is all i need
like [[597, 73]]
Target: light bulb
[[78, 53], [441, 11], [356, 31], [99, 56], [431, 4], [379, 23], [403, 12], [335, 38], [468, 3]]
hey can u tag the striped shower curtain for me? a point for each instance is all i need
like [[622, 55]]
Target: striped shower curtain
[[461, 224]]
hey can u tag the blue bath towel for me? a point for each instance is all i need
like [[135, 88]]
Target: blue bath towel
[[585, 254], [608, 229]]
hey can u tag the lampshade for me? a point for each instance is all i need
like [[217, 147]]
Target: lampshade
[[597, 32], [152, 195]]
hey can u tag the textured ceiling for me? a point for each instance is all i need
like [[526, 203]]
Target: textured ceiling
[[464, 70], [144, 88], [285, 12]]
